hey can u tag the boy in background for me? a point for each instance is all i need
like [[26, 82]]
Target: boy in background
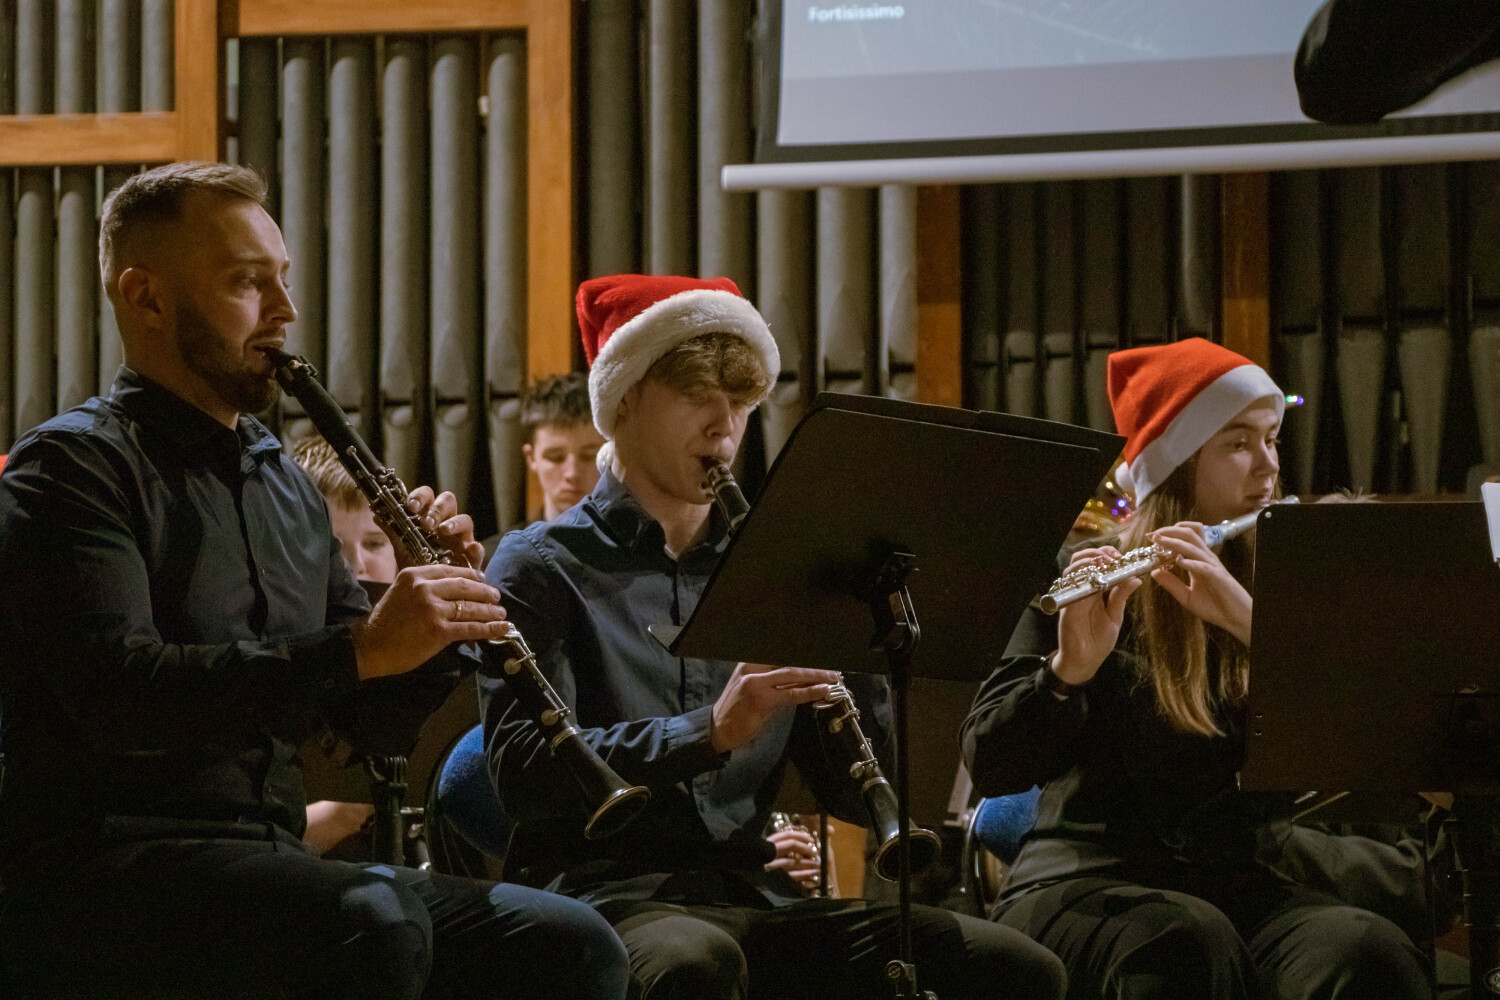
[[561, 440]]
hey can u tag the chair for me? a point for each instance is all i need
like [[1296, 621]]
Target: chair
[[462, 801], [993, 836]]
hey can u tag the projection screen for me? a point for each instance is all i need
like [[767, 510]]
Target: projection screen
[[949, 91]]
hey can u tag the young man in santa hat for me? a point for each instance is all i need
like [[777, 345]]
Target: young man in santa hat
[[677, 366], [1146, 871]]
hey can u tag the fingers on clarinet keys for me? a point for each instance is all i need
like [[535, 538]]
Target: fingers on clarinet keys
[[756, 692]]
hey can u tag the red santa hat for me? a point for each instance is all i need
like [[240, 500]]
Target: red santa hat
[[1169, 399], [629, 321]]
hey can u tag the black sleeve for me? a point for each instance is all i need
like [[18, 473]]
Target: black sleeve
[[1019, 734], [385, 715], [1363, 59], [76, 595]]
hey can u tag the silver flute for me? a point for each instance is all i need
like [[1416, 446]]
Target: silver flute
[[611, 801], [1085, 581]]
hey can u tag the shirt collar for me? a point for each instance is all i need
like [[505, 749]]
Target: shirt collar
[[626, 521], [154, 406]]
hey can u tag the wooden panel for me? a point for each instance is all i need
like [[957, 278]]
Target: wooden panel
[[940, 362], [369, 17], [549, 57], [47, 140], [847, 844], [549, 224], [1246, 249], [200, 81]]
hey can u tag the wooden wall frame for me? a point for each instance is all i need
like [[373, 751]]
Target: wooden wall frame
[[193, 131], [548, 25], [196, 129], [1245, 264], [940, 341]]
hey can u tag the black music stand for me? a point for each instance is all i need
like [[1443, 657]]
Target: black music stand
[[875, 508], [1373, 669]]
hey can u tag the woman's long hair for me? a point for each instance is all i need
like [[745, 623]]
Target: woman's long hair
[[1199, 672]]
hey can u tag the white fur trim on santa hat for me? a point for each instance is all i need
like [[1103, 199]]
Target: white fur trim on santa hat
[[637, 344], [1204, 416]]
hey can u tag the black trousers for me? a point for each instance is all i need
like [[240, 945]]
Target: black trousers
[[825, 948], [230, 919], [1123, 940]]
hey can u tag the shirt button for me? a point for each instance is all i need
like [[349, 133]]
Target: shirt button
[[328, 684]]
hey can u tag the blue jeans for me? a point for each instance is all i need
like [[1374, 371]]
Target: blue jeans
[[249, 918]]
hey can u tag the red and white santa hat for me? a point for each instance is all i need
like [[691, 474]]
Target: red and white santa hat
[[1169, 399], [628, 321]]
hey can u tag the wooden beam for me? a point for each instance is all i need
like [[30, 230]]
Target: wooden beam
[[373, 17], [940, 360], [1245, 259], [549, 182], [58, 140], [195, 131], [549, 80], [199, 85]]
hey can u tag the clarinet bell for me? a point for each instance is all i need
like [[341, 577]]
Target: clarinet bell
[[922, 846], [612, 802]]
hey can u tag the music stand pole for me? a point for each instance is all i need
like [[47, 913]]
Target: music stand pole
[[897, 634]]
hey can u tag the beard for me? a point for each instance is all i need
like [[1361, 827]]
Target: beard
[[206, 355]]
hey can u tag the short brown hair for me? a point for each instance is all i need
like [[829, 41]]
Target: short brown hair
[[715, 360], [328, 474], [155, 197], [555, 401]]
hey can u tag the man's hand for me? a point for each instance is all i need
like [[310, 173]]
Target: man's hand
[[797, 853], [755, 692], [454, 531], [1210, 591], [1088, 630], [426, 610]]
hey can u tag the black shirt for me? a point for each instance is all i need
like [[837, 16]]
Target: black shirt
[[176, 620], [583, 590], [1124, 793]]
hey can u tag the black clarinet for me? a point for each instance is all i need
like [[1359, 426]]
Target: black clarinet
[[838, 717], [611, 802]]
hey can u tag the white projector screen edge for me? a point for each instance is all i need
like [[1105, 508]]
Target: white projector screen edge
[[1078, 165]]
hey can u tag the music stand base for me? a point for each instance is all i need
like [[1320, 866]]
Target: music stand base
[[903, 976]]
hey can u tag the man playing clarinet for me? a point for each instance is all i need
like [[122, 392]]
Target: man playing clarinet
[[692, 886], [176, 620]]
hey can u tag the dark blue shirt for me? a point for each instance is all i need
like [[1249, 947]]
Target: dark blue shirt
[[176, 620], [583, 591]]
